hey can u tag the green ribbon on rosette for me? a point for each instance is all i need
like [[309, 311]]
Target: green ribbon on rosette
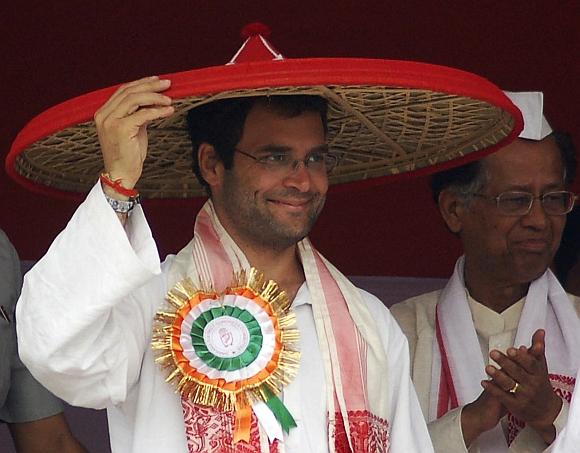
[[280, 411]]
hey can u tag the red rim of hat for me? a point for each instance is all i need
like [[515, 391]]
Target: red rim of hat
[[268, 76]]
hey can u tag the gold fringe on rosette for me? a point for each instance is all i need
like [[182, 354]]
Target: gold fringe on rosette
[[199, 388]]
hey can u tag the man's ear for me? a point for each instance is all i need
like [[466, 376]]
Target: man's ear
[[210, 165], [452, 208]]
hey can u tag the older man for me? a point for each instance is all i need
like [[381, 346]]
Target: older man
[[503, 322]]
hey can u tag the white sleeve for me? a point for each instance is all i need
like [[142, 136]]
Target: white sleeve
[[408, 430], [82, 329], [446, 432]]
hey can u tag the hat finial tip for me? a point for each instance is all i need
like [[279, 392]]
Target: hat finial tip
[[255, 29]]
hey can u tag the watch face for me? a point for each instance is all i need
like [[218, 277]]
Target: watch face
[[121, 206]]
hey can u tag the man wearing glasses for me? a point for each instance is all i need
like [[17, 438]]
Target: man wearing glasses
[[264, 162], [93, 310], [494, 354]]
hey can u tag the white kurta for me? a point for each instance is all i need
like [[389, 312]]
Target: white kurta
[[416, 316], [85, 319]]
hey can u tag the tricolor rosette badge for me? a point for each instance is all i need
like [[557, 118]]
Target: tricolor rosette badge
[[233, 351]]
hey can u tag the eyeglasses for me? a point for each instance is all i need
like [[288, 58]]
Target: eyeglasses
[[520, 203], [283, 162]]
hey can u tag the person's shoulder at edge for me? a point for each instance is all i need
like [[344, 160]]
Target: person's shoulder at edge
[[3, 237], [6, 246]]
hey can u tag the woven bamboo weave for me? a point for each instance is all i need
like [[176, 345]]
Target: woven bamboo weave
[[418, 129]]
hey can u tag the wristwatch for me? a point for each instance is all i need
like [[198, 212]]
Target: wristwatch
[[122, 206]]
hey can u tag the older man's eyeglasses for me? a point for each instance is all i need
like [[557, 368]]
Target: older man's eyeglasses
[[520, 203], [283, 162]]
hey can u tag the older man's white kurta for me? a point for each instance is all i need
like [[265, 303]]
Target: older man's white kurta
[[416, 316], [85, 318]]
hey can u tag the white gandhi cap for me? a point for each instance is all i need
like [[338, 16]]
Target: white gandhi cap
[[531, 104]]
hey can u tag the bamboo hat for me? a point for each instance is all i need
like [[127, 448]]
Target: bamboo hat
[[386, 119]]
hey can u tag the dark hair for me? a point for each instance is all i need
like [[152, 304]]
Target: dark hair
[[568, 154], [465, 180], [221, 123], [569, 251], [470, 178]]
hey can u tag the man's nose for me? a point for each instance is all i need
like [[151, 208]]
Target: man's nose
[[536, 217], [299, 176]]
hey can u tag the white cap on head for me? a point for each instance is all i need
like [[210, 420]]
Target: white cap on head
[[531, 104]]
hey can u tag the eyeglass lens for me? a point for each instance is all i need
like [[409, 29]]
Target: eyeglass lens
[[555, 203], [316, 161]]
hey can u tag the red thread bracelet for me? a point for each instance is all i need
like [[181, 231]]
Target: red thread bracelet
[[117, 187]]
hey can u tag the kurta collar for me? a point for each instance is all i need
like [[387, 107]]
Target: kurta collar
[[488, 322]]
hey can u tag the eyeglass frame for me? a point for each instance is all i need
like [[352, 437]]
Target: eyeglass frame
[[293, 163], [532, 197]]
